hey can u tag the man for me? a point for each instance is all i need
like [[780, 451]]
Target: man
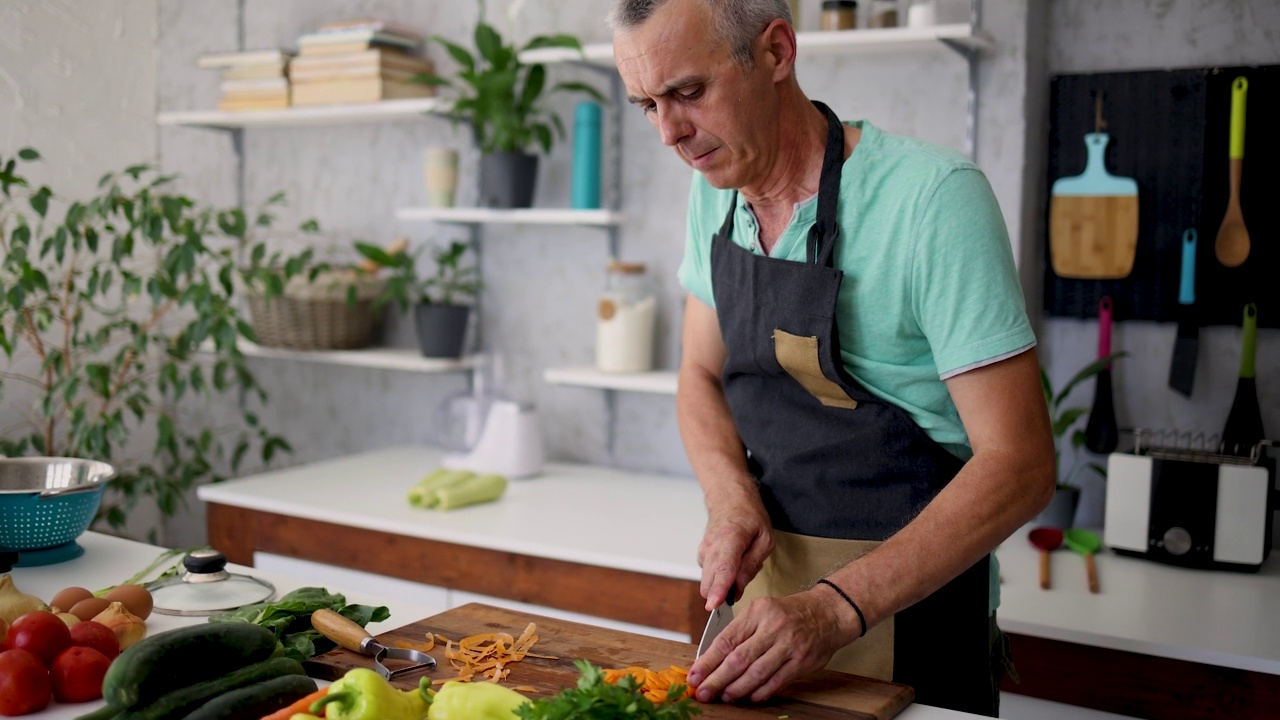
[[859, 393]]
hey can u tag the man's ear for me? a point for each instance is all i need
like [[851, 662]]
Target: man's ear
[[777, 45]]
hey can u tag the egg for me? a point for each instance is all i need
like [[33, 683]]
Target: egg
[[68, 597], [135, 598], [89, 607]]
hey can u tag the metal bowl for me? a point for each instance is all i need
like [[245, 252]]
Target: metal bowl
[[46, 502]]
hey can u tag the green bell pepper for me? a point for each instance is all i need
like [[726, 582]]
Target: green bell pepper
[[475, 701], [362, 694]]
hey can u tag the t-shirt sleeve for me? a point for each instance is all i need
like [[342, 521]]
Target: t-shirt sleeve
[[695, 268], [965, 292]]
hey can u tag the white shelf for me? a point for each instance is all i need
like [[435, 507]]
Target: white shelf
[[531, 216], [826, 42], [382, 358], [384, 111], [660, 382]]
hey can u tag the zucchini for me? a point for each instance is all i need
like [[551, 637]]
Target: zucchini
[[174, 659], [181, 702], [254, 701]]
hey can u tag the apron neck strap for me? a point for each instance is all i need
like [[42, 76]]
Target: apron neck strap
[[823, 233]]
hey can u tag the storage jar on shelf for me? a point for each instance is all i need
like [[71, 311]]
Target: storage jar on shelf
[[625, 320]]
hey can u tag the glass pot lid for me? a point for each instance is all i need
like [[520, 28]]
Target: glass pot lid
[[205, 587]]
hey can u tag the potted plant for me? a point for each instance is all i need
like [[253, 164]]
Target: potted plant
[[1062, 508], [440, 300], [117, 321], [500, 99]]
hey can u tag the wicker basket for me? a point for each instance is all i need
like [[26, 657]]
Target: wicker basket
[[316, 315]]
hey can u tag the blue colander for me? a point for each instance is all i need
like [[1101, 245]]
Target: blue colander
[[47, 502]]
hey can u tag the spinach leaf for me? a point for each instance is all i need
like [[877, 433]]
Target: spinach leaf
[[290, 619]]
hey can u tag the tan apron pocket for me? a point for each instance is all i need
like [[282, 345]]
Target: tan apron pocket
[[797, 562], [799, 357]]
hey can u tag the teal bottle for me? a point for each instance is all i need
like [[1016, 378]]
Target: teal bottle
[[586, 157]]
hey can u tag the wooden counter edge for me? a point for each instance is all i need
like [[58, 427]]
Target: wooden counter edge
[[633, 597]]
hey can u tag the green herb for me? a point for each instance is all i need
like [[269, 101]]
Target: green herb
[[290, 619], [595, 699]]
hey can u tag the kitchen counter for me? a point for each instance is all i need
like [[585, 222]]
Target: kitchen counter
[[108, 560], [1151, 624]]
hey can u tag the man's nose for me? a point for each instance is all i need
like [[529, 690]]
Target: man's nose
[[672, 125]]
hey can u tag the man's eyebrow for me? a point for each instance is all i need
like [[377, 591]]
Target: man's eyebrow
[[673, 86]]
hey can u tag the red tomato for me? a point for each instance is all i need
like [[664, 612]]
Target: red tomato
[[77, 674], [24, 683], [41, 633], [93, 634]]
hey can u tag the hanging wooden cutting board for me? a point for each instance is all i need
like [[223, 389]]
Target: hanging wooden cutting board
[[823, 695], [1093, 219]]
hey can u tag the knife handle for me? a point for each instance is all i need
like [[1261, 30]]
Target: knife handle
[[340, 629], [1187, 287]]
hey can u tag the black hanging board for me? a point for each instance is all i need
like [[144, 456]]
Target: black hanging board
[[1169, 131]]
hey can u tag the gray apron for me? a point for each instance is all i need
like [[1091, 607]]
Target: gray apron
[[838, 469]]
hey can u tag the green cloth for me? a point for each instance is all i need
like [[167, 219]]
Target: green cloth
[[930, 288]]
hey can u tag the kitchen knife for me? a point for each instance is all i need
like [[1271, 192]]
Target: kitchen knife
[[719, 620], [1182, 372]]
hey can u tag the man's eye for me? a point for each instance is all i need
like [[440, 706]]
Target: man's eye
[[691, 93], [649, 108]]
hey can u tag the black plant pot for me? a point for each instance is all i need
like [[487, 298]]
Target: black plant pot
[[441, 329], [507, 180]]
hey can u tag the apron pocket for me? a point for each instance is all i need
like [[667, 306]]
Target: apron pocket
[[796, 563], [799, 357]]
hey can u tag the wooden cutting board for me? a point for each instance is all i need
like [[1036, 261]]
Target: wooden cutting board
[[824, 695], [1093, 220]]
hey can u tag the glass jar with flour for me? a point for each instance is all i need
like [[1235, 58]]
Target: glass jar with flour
[[625, 320]]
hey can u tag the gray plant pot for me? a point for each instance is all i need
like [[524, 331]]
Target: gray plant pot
[[507, 180], [441, 329], [1061, 512]]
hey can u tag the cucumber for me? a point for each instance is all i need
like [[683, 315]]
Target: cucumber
[[174, 659], [181, 702], [254, 701]]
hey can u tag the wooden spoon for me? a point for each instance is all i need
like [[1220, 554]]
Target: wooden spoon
[[1232, 245]]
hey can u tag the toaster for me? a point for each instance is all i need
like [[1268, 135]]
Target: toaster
[[1190, 508]]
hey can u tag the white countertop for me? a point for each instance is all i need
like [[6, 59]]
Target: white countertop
[[595, 515], [1206, 616], [109, 560]]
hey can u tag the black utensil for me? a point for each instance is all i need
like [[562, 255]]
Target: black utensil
[[1101, 434], [1182, 371], [1244, 422]]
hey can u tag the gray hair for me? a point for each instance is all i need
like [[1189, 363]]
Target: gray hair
[[738, 22]]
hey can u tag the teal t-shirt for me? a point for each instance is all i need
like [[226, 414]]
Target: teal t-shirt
[[930, 289]]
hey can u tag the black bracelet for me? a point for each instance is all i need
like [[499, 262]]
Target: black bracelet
[[861, 618]]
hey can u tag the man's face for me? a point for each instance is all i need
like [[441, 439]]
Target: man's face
[[709, 109]]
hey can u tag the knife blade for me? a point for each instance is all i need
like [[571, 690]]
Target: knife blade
[[1182, 370], [719, 620]]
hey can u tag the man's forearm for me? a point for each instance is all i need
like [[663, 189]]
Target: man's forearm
[[710, 437]]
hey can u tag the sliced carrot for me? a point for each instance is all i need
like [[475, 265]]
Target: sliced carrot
[[655, 684], [488, 655], [301, 706]]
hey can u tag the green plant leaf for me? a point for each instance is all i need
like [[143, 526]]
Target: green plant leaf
[[40, 201], [28, 154]]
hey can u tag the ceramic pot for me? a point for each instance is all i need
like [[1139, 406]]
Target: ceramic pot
[[441, 329], [507, 180], [1061, 512]]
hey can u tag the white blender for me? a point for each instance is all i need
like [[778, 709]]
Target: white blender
[[486, 432]]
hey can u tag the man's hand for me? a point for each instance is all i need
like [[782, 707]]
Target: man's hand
[[735, 545], [771, 642]]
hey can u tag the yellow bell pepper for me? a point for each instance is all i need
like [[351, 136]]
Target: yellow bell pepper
[[474, 701], [362, 694]]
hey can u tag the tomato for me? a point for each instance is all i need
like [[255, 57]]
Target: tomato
[[77, 674], [93, 634], [41, 633], [24, 683]]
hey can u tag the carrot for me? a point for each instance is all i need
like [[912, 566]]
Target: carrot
[[487, 655], [654, 684], [302, 706]]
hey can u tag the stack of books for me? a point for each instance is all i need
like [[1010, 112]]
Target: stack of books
[[358, 61], [252, 80]]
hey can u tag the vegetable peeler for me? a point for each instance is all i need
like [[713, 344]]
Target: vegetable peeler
[[351, 636]]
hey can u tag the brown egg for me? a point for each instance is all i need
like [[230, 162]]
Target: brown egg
[[135, 598], [89, 607], [68, 597]]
